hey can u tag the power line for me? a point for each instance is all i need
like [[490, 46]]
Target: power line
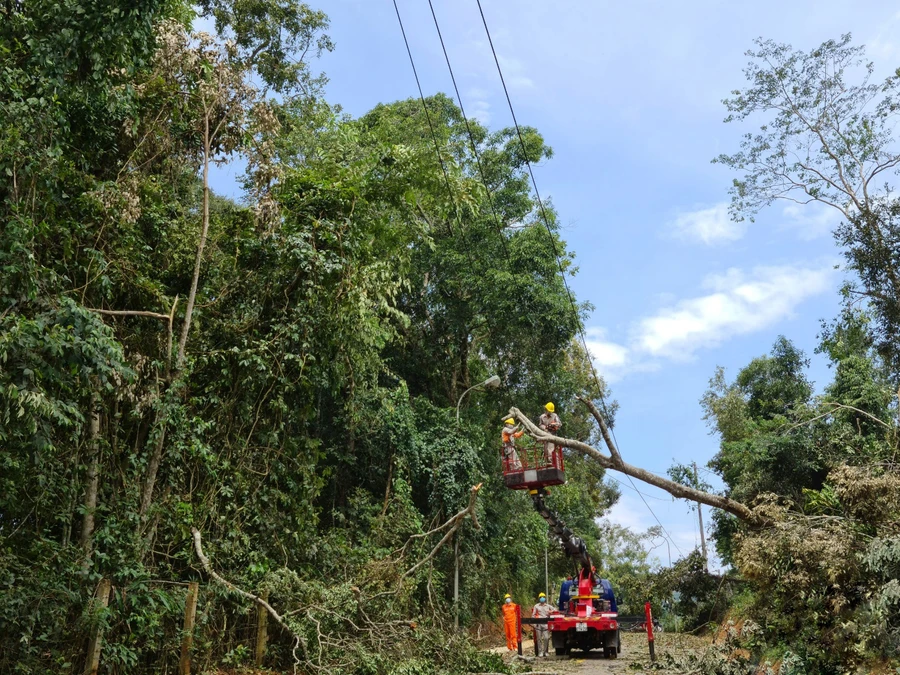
[[437, 151], [490, 199], [474, 145], [558, 259], [437, 148], [662, 499]]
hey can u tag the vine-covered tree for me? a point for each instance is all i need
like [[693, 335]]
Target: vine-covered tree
[[270, 383]]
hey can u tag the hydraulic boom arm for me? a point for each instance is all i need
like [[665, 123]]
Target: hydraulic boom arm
[[573, 545]]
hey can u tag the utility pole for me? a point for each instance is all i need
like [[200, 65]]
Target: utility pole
[[456, 585], [546, 571], [700, 515]]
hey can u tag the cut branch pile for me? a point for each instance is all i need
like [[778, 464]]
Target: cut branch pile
[[326, 649]]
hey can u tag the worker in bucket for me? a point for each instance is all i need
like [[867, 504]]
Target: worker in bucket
[[510, 612], [509, 435], [541, 610], [549, 421]]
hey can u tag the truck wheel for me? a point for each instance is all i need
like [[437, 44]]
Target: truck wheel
[[561, 651], [610, 652]]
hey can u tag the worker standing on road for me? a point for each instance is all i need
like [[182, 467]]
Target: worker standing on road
[[509, 435], [510, 611], [542, 610], [549, 421]]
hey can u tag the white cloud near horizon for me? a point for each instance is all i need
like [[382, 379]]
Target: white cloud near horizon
[[737, 303], [708, 225]]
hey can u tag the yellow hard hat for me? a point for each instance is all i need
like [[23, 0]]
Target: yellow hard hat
[[510, 421], [507, 596], [541, 595], [550, 407]]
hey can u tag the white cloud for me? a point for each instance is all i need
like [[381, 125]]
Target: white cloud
[[882, 48], [629, 512], [680, 525], [615, 360], [738, 303], [811, 220], [710, 225], [478, 105], [514, 73], [603, 352], [480, 66]]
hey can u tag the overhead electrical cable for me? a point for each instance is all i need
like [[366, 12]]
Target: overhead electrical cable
[[546, 220], [437, 147], [472, 142], [540, 203], [631, 487], [437, 150]]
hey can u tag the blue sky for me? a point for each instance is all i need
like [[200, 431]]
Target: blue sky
[[629, 97]]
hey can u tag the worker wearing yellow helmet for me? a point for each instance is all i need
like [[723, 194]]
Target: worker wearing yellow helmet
[[510, 611], [509, 435], [549, 421], [542, 610]]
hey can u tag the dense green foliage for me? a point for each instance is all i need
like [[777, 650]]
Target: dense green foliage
[[811, 577], [821, 471], [281, 375]]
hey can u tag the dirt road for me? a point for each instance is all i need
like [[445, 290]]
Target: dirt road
[[634, 649]]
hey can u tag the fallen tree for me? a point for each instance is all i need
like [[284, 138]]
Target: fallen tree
[[615, 462]]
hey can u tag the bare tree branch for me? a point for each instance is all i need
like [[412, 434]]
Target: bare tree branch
[[452, 526], [861, 412], [198, 547], [130, 312], [604, 430], [616, 463]]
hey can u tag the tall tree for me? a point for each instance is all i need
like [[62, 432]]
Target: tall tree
[[828, 138], [280, 376]]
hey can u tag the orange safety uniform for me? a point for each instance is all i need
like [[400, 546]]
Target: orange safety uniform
[[510, 611], [509, 436], [509, 433]]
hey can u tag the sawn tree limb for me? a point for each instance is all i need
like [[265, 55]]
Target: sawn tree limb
[[615, 462]]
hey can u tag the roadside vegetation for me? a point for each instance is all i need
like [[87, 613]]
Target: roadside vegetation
[[265, 390]]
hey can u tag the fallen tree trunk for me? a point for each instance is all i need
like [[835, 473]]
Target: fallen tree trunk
[[615, 462]]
